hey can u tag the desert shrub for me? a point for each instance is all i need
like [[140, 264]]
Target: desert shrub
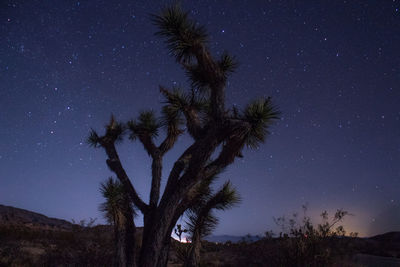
[[25, 246], [301, 243]]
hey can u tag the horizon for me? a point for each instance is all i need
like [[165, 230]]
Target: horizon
[[331, 68], [173, 235]]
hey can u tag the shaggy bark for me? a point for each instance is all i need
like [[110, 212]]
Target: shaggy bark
[[125, 239], [193, 257]]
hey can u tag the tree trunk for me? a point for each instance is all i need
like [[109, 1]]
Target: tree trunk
[[125, 239], [156, 245], [150, 251], [164, 253], [155, 251], [193, 256]]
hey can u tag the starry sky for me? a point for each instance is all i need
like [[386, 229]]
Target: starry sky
[[332, 68]]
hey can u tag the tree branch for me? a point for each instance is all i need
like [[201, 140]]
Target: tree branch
[[172, 136], [157, 154], [156, 168], [148, 144], [215, 79], [192, 117], [231, 149], [115, 165], [176, 171]]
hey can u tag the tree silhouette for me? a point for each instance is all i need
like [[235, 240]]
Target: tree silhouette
[[202, 221], [119, 212], [201, 113], [179, 231]]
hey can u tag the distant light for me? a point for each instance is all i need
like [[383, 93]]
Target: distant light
[[184, 240]]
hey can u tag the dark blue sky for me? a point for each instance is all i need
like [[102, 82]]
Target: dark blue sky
[[332, 67]]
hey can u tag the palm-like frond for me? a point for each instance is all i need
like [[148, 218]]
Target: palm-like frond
[[260, 114], [201, 218], [198, 78], [201, 103], [177, 101], [116, 199], [227, 63], [114, 133], [146, 124], [225, 198], [182, 35], [93, 139], [203, 225], [171, 118], [115, 130], [200, 194]]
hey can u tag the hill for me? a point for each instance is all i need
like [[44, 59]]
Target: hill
[[388, 237], [31, 239], [15, 216]]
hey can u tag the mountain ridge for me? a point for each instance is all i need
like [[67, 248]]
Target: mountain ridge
[[10, 215], [15, 216]]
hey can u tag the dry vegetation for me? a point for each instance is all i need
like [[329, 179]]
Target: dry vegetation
[[31, 239], [93, 246], [26, 246]]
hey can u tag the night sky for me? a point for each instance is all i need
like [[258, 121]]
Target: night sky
[[332, 68]]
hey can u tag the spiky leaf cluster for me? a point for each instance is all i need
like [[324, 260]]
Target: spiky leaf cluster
[[201, 80], [260, 114], [93, 139], [115, 130], [198, 78], [146, 124], [116, 199], [225, 198], [227, 63], [175, 103], [208, 224], [114, 133], [182, 35], [200, 217], [201, 193]]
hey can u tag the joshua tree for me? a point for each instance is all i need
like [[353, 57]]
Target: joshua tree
[[179, 231], [200, 112], [119, 212], [202, 221]]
